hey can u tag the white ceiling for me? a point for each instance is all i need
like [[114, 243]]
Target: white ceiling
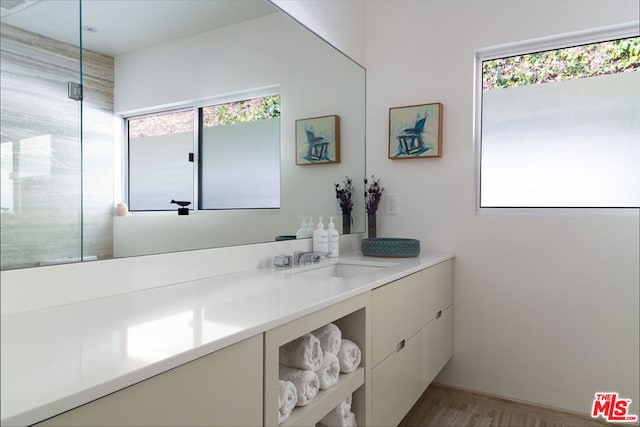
[[124, 26]]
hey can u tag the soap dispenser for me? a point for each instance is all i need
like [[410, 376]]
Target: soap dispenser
[[302, 231], [334, 239], [320, 238], [310, 227]]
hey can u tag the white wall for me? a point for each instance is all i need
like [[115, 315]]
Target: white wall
[[341, 23], [546, 306]]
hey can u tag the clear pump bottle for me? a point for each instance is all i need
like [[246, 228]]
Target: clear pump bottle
[[334, 239], [320, 238], [310, 227], [302, 231]]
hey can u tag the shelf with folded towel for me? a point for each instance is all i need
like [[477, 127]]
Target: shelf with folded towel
[[310, 368], [291, 351], [341, 415], [326, 400]]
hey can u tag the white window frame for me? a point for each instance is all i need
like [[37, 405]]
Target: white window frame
[[596, 35]]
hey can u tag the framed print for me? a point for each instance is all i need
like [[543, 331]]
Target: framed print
[[318, 140], [415, 131]]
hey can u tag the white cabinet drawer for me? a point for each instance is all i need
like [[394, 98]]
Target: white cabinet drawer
[[396, 314], [437, 290], [437, 345], [396, 384]]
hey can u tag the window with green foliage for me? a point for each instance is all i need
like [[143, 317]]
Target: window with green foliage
[[210, 156], [577, 62], [249, 110], [559, 128]]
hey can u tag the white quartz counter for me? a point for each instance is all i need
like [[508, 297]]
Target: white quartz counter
[[58, 358]]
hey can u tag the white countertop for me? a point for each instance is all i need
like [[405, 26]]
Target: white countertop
[[58, 358]]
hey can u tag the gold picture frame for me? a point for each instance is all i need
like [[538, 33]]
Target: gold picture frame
[[318, 140], [415, 131]]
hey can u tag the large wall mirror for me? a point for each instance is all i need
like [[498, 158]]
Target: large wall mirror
[[146, 56]]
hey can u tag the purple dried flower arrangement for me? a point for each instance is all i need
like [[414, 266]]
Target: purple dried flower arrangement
[[372, 194], [343, 194]]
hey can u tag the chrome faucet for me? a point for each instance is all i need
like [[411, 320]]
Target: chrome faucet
[[301, 257]]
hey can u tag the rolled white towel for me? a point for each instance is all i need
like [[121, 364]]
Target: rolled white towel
[[349, 356], [330, 338], [306, 383], [348, 401], [329, 371], [287, 399], [350, 420], [340, 416], [302, 353]]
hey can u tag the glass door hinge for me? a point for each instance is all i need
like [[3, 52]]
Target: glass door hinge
[[74, 91]]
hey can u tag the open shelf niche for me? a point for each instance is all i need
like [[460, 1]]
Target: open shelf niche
[[351, 316]]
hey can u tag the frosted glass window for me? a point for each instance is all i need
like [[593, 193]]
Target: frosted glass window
[[241, 165], [565, 143], [160, 169], [229, 160]]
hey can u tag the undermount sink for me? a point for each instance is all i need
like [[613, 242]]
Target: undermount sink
[[342, 269]]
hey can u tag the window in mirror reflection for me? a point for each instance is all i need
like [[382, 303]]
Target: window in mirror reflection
[[240, 155], [231, 150], [159, 166]]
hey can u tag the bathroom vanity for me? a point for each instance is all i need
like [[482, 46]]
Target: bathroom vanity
[[205, 352]]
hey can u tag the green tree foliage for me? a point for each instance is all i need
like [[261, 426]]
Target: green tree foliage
[[562, 64], [242, 111], [266, 107]]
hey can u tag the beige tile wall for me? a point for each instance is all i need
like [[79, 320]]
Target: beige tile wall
[[44, 222]]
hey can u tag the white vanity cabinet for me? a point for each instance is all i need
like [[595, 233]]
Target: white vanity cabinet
[[400, 318], [437, 315], [411, 330], [351, 316], [396, 320], [223, 388]]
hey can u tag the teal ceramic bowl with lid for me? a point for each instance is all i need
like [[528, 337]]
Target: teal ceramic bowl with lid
[[390, 247]]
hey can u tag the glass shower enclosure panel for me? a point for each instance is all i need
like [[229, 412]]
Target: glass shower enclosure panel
[[41, 180]]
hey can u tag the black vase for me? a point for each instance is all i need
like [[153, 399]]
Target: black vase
[[371, 225], [346, 223]]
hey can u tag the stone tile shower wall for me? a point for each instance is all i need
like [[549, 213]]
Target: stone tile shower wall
[[41, 219]]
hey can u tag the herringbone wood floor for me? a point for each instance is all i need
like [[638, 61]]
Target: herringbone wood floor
[[442, 406]]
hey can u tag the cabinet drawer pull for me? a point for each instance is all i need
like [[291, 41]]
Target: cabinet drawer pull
[[438, 314], [400, 345]]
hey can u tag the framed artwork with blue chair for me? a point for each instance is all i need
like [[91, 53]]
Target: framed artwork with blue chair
[[415, 131], [318, 140]]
